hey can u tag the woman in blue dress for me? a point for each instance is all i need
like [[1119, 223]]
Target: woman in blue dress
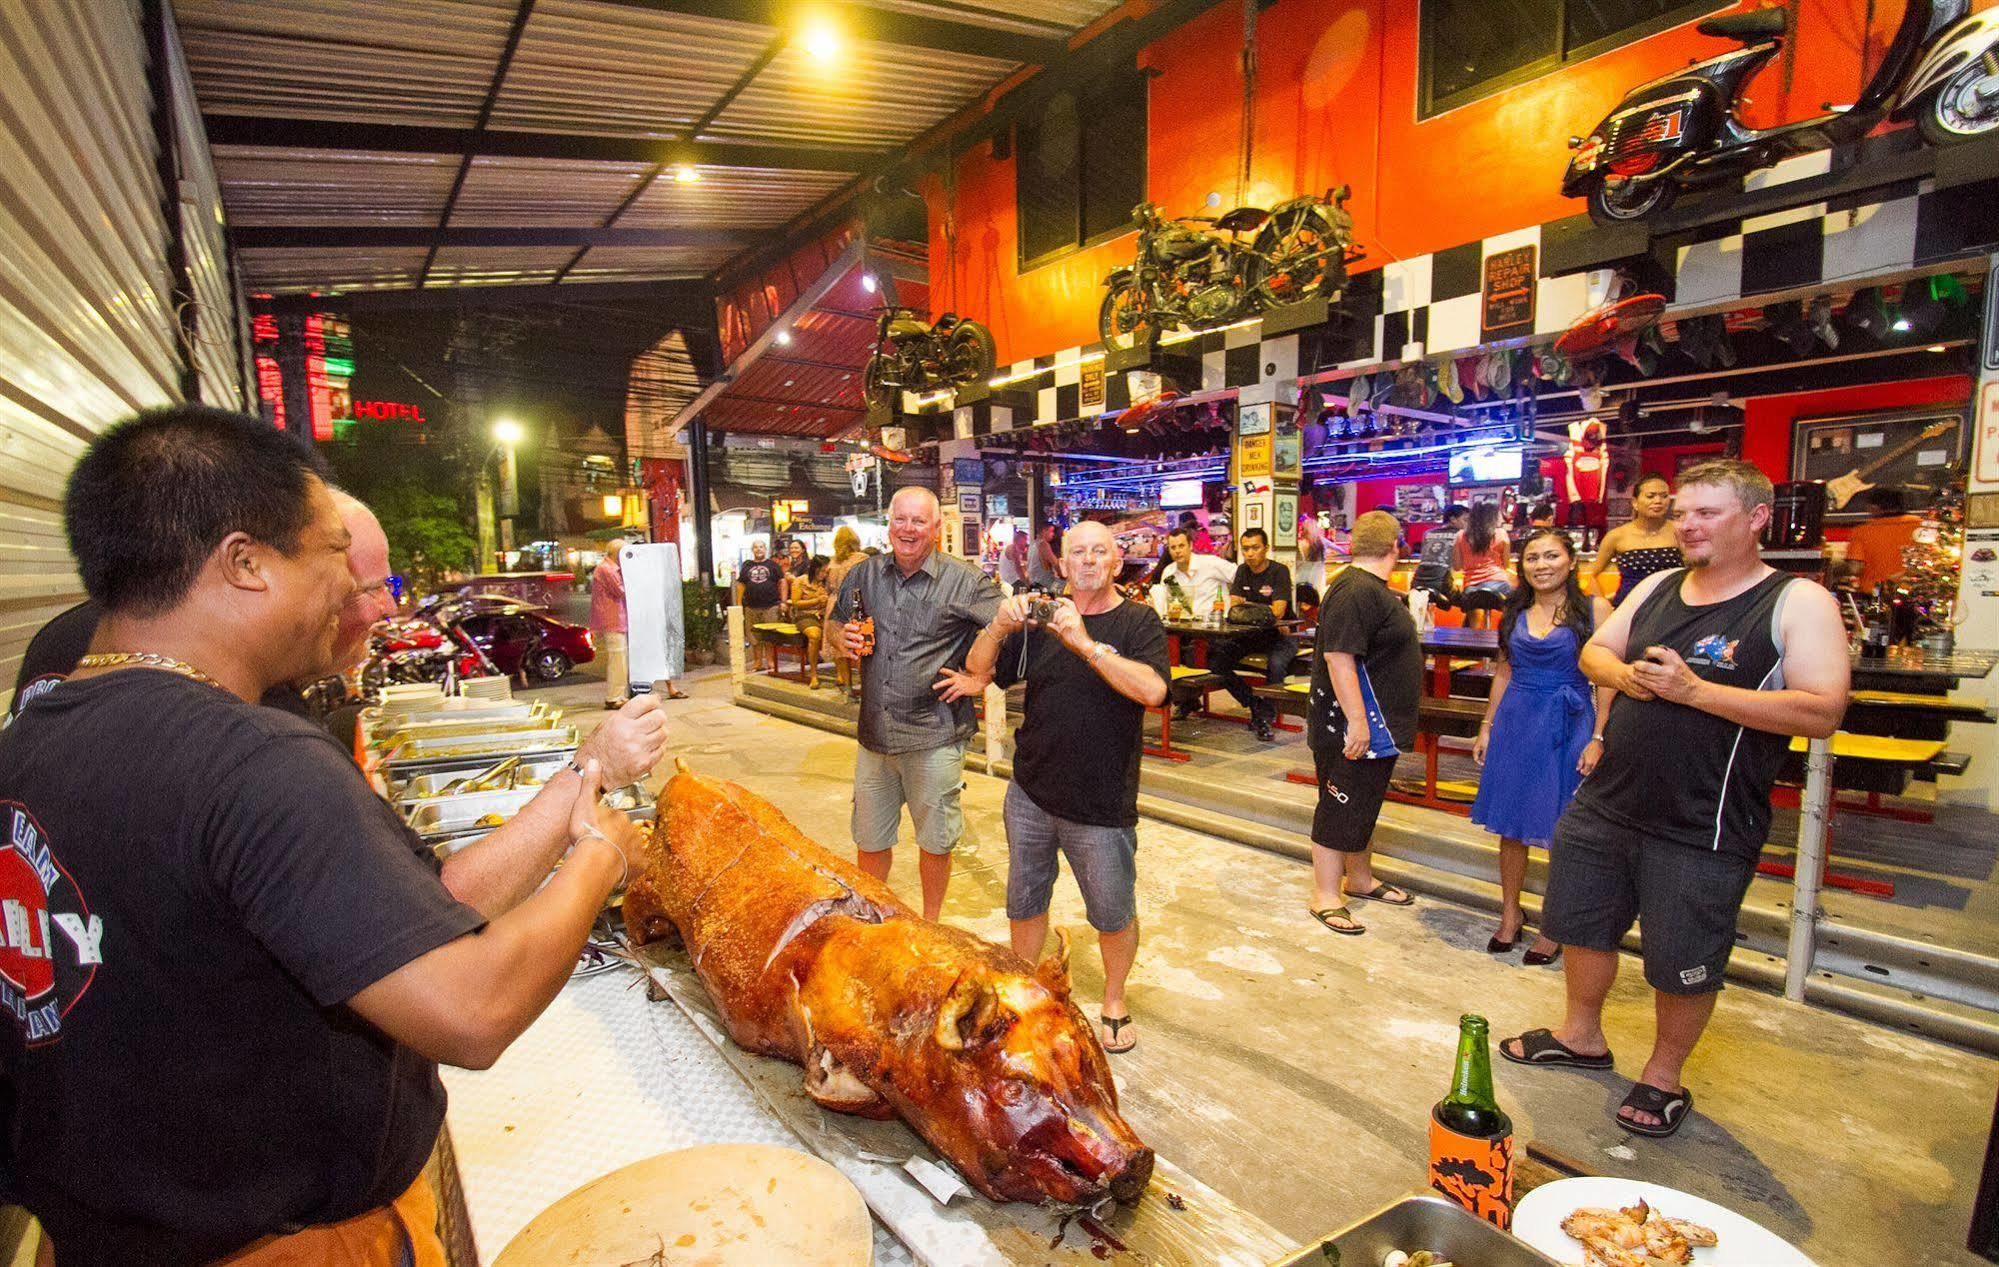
[[1541, 732]]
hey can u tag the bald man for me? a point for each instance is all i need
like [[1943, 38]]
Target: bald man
[[56, 647], [1092, 668], [926, 608]]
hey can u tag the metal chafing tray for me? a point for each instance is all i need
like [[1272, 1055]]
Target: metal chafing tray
[[459, 752], [423, 787], [1423, 1220], [439, 725], [447, 816]]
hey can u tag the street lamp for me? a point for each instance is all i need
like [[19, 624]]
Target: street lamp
[[499, 504], [508, 432]]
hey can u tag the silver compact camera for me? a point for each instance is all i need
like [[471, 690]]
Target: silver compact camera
[[1040, 611]]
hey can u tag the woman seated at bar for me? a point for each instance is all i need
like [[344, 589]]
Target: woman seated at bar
[[1541, 733], [807, 606], [1482, 554], [1645, 545]]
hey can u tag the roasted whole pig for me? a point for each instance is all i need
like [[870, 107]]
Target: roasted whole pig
[[810, 960]]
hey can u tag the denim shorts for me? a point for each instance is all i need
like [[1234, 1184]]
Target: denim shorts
[[1103, 859], [928, 781]]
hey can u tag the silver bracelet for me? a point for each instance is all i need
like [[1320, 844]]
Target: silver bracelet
[[624, 863]]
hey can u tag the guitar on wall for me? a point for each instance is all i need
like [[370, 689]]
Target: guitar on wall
[[1840, 491]]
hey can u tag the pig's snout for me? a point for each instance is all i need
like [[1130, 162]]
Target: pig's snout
[[1128, 1183]]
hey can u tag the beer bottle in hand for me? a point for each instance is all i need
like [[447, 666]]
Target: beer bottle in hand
[[1471, 1138], [866, 624]]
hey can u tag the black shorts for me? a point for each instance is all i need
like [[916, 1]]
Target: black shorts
[[1602, 875], [1350, 797]]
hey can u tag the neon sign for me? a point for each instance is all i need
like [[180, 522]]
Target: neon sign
[[387, 411]]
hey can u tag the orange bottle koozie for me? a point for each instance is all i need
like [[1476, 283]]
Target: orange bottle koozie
[[1477, 1173]]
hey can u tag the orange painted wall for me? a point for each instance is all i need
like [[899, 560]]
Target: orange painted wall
[[1337, 102]]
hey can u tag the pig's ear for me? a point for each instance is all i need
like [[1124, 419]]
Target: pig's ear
[[966, 1013], [1053, 971]]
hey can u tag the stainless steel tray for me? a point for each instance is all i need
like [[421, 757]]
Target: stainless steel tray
[[446, 816], [424, 787], [1423, 1220], [460, 751], [445, 725]]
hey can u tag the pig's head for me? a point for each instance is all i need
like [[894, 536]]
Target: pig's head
[[1037, 1104]]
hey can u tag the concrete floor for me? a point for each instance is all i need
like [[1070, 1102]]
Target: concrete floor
[[1292, 1069]]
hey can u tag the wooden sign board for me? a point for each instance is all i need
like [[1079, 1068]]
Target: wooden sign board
[[1507, 299], [1255, 456]]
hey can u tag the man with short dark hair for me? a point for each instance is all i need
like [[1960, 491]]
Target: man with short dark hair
[[1367, 677], [1092, 669], [245, 950], [1716, 665], [1266, 584], [1874, 549]]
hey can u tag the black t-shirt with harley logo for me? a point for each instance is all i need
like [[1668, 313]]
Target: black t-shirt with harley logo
[[194, 888], [761, 582], [1271, 585]]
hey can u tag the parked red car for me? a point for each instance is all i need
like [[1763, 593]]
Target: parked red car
[[519, 638]]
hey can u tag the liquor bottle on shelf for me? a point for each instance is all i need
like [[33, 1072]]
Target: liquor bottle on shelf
[[1471, 1137], [867, 626]]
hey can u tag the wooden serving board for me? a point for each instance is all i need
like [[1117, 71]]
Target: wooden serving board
[[1178, 1222], [720, 1205]]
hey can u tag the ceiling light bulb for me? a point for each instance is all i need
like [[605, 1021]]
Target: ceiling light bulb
[[869, 284], [686, 174], [783, 338], [1902, 325], [821, 41]]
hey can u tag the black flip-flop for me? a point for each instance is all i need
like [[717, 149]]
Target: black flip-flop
[[1541, 1047], [1374, 895], [1326, 916], [1670, 1109], [1116, 1025]]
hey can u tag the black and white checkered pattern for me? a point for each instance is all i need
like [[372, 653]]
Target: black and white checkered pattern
[[1430, 305]]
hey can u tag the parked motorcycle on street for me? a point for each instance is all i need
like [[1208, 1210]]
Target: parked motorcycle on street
[[914, 355], [1201, 270], [1682, 131]]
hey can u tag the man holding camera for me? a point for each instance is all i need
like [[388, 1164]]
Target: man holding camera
[[1093, 664]]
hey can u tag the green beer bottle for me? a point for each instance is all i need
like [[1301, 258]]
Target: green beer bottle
[[1471, 1137]]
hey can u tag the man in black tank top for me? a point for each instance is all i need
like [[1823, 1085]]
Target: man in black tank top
[[1716, 665]]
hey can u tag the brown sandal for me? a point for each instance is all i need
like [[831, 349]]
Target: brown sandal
[[1116, 1024]]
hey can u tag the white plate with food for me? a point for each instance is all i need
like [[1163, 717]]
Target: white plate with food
[[1617, 1222]]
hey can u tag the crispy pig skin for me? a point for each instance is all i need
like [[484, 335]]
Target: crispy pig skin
[[811, 960]]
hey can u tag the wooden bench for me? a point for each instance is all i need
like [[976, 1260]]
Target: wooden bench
[[1183, 676]]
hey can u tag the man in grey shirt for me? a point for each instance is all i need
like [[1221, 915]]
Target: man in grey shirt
[[926, 609]]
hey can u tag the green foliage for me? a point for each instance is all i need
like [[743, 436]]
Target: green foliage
[[426, 530], [699, 614]]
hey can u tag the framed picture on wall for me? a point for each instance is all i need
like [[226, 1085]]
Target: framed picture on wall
[[1284, 529], [1916, 452]]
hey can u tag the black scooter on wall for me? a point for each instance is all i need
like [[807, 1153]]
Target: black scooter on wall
[[1681, 131]]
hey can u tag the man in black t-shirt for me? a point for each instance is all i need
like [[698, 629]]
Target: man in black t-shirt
[[241, 966], [759, 589], [1367, 677], [1261, 581], [1092, 669]]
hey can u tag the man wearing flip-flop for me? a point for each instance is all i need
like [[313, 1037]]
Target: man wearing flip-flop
[[1717, 664], [1367, 680]]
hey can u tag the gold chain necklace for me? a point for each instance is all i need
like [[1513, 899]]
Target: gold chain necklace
[[151, 660]]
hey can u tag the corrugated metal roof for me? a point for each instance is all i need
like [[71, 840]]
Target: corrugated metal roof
[[389, 61], [875, 95], [616, 71], [728, 197], [632, 263], [1036, 17], [496, 266], [534, 191], [331, 268], [293, 186]]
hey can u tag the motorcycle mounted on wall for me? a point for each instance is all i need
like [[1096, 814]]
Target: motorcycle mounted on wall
[[1201, 271], [1682, 131], [914, 355]]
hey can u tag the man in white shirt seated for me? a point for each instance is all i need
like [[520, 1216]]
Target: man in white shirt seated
[[1200, 582]]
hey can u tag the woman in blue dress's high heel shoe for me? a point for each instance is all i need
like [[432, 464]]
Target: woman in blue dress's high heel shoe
[[1543, 728]]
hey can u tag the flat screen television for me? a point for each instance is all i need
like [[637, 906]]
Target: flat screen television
[[1485, 465], [1175, 493]]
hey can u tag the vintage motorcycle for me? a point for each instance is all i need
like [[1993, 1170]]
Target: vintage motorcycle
[[1681, 131], [914, 355], [1200, 270]]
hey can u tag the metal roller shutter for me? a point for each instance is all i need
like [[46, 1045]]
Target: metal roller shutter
[[88, 334]]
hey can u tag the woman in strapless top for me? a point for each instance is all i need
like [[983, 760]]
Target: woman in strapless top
[[1642, 547]]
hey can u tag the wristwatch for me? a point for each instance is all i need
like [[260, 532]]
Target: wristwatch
[[1098, 650]]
